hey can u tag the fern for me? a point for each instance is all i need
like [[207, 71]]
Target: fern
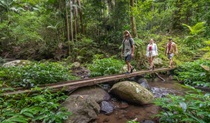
[[197, 28]]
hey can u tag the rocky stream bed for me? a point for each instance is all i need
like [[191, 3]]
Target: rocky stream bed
[[99, 104]]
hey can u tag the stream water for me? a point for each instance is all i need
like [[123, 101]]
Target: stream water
[[141, 113]]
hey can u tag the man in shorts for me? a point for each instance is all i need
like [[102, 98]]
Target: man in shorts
[[128, 50], [171, 49]]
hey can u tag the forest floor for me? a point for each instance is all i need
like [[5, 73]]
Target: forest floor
[[142, 113]]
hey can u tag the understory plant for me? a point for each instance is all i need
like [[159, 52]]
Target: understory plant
[[43, 107], [34, 74], [131, 121], [105, 66], [193, 73], [195, 40], [190, 108]]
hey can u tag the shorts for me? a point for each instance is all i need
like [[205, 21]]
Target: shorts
[[128, 58], [170, 55], [151, 54]]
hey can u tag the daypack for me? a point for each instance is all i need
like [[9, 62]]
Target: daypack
[[130, 41]]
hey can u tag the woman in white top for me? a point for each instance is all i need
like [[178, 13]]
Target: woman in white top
[[152, 51]]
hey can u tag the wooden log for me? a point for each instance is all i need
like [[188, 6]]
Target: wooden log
[[69, 85]]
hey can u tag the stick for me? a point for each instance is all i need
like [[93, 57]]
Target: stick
[[159, 77]]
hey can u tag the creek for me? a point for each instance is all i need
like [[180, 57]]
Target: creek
[[124, 111]]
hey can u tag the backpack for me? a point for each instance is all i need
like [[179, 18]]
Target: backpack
[[130, 41]]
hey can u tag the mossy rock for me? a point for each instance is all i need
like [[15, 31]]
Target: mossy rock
[[132, 92], [16, 63]]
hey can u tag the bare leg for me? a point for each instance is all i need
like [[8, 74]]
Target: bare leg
[[128, 66], [170, 62], [149, 62], [150, 59], [152, 63]]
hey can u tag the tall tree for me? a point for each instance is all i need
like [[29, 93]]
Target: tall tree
[[133, 23]]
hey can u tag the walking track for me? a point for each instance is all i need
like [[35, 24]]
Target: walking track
[[69, 85]]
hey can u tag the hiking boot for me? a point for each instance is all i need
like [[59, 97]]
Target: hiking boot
[[127, 72], [132, 70]]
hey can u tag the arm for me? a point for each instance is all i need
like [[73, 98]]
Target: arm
[[122, 49], [132, 51], [175, 49], [133, 48], [156, 49]]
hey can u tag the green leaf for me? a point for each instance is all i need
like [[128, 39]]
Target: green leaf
[[183, 106], [15, 119]]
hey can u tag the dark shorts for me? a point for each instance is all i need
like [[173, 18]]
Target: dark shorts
[[128, 58], [170, 55]]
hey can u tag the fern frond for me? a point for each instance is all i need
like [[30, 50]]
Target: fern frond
[[197, 28]]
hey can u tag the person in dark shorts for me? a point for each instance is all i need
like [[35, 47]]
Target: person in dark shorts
[[128, 50], [171, 49]]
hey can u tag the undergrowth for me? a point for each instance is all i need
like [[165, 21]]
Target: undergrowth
[[105, 66], [24, 108], [192, 73], [34, 74], [194, 107]]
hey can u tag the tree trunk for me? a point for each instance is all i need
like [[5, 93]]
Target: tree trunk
[[75, 18], [133, 24], [67, 24], [80, 16], [71, 21]]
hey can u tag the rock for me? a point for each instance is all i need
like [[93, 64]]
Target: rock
[[76, 65], [94, 92], [106, 120], [82, 72], [107, 107], [16, 63], [123, 105], [143, 82], [83, 109], [132, 92], [106, 87], [148, 121]]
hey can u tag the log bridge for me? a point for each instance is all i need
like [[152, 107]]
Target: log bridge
[[70, 85]]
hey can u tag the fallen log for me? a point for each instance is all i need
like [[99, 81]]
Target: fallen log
[[69, 85]]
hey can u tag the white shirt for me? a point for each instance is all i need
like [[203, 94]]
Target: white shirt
[[153, 51]]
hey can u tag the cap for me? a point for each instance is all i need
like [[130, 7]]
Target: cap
[[170, 39]]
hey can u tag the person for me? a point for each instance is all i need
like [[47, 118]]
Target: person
[[170, 50], [128, 50], [151, 52]]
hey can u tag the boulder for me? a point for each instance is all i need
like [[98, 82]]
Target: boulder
[[93, 92], [83, 109], [16, 63], [132, 92]]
